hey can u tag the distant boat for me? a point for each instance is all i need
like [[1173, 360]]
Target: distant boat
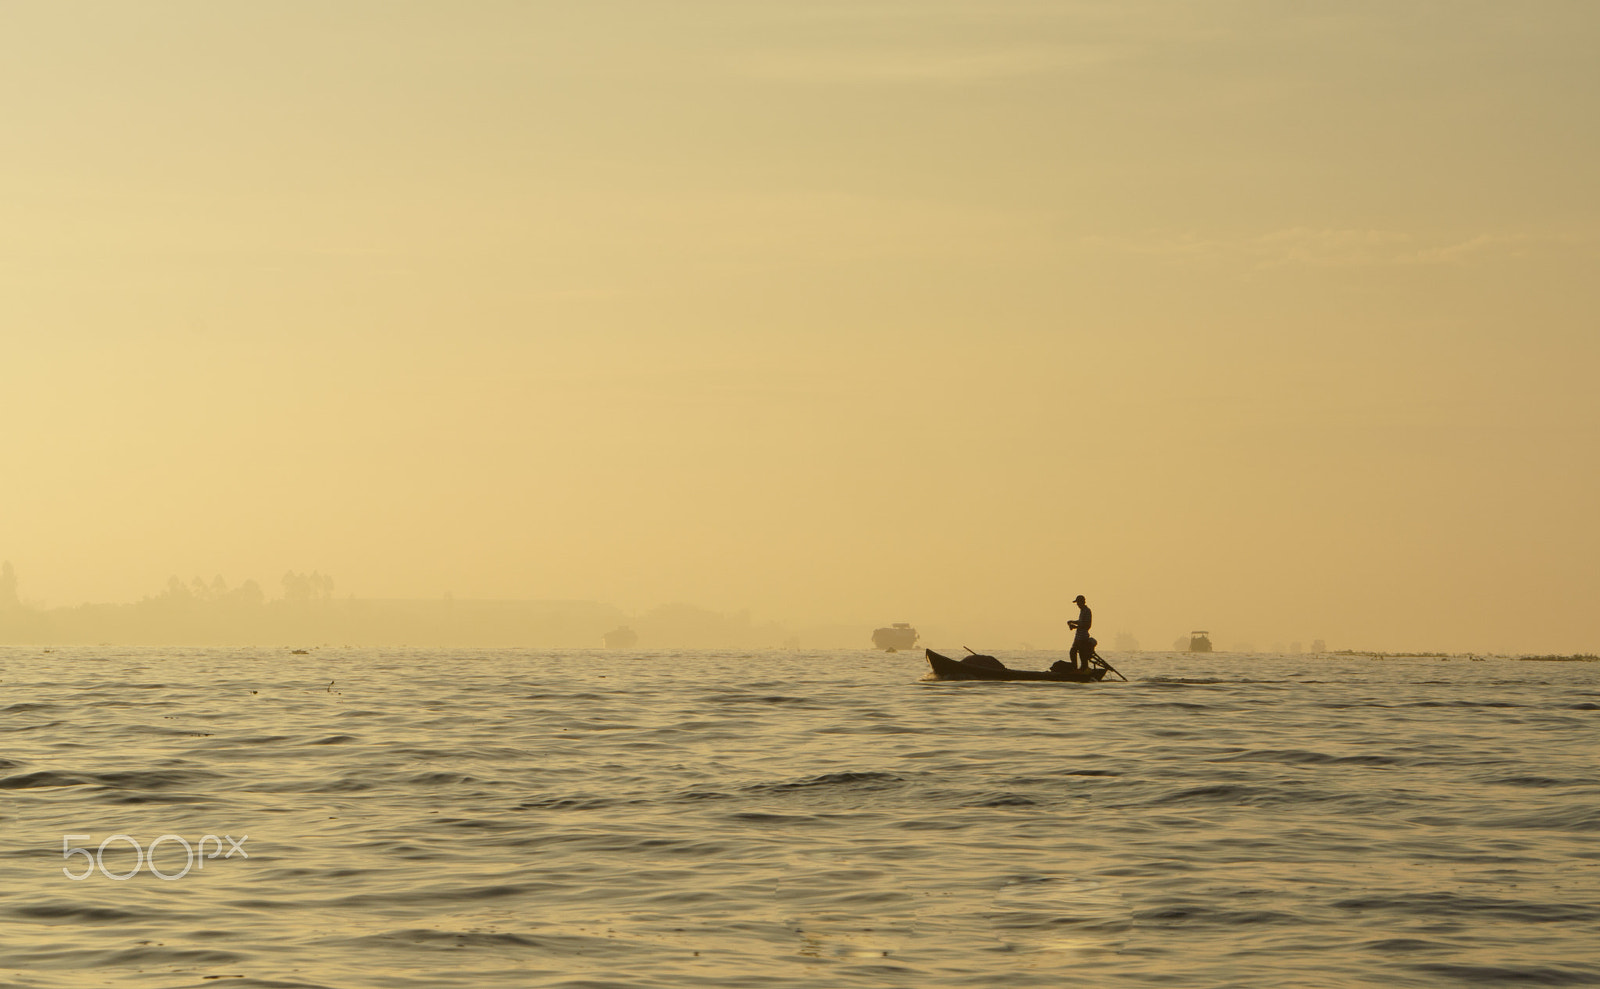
[[900, 635], [1199, 641], [621, 637]]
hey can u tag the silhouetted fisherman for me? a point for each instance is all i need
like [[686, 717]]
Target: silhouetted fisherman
[[1082, 644]]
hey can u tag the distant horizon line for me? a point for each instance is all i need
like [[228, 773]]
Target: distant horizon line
[[304, 649], [211, 613]]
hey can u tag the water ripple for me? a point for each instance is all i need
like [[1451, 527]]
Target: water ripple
[[517, 818]]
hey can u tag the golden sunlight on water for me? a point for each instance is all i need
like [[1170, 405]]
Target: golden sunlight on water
[[516, 818]]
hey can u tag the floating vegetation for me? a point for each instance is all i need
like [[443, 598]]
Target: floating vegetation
[[1475, 657], [1403, 655]]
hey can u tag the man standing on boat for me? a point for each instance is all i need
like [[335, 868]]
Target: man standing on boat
[[1082, 644]]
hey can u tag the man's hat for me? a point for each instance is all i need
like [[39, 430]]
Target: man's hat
[[1078, 598]]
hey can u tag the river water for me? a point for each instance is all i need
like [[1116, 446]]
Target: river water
[[419, 818]]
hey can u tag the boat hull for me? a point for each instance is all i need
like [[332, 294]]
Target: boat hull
[[945, 668]]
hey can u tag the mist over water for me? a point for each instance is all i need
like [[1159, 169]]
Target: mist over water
[[517, 817]]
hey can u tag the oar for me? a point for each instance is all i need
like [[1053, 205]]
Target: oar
[[1110, 667]]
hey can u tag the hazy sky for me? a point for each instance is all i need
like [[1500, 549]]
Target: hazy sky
[[1274, 319]]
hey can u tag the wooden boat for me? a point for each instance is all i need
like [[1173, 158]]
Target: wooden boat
[[945, 668]]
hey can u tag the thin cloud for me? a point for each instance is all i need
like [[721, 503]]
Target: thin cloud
[[1325, 247], [1456, 253], [925, 66]]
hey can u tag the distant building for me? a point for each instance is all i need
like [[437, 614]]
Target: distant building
[[898, 636]]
